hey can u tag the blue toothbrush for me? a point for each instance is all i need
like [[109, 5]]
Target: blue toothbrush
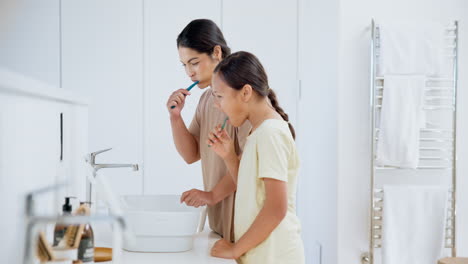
[[223, 126], [188, 89]]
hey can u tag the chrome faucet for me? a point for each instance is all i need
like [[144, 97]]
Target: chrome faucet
[[91, 159], [32, 222]]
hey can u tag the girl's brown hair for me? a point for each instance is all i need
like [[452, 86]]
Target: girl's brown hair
[[241, 68]]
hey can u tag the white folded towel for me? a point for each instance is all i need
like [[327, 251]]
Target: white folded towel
[[400, 121], [412, 48], [413, 224]]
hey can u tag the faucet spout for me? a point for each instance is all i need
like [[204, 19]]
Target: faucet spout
[[103, 166], [91, 160]]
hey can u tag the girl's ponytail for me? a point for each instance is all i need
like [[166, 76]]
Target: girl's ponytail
[[275, 104]]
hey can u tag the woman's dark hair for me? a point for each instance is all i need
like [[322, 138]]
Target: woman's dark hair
[[203, 35], [241, 68]]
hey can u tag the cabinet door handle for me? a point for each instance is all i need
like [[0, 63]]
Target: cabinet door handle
[[61, 136]]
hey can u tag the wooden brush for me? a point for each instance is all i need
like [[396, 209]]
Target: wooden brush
[[83, 210], [44, 250], [73, 235]]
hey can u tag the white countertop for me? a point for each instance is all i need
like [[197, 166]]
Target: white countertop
[[200, 253]]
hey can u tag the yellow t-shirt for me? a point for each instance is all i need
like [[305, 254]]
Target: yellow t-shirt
[[269, 152]]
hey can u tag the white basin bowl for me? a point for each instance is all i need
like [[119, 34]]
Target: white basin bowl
[[160, 223]]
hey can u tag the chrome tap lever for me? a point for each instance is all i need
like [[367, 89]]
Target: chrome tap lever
[[99, 152], [91, 158]]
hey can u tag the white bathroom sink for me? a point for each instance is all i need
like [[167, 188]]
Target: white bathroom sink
[[160, 223]]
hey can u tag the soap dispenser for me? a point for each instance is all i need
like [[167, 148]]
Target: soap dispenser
[[60, 229]]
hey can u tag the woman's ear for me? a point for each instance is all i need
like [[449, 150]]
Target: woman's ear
[[246, 93], [217, 53]]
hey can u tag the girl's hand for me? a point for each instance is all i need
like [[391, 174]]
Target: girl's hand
[[223, 249], [177, 99], [221, 143], [197, 198]]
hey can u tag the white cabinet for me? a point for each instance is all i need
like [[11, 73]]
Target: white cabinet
[[30, 140], [35, 152]]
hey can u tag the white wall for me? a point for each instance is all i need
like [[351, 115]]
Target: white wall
[[247, 26], [317, 128], [30, 38], [103, 60], [354, 118], [7, 7]]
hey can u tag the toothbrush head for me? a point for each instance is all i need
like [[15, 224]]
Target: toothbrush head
[[192, 85], [224, 123]]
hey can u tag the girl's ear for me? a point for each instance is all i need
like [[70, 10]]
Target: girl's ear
[[246, 93], [217, 53]]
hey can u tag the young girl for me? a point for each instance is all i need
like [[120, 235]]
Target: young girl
[[266, 228], [201, 47]]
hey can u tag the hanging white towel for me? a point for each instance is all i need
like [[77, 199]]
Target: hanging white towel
[[400, 121], [413, 48], [413, 224]]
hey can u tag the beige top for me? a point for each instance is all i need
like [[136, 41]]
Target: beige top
[[270, 152], [207, 116]]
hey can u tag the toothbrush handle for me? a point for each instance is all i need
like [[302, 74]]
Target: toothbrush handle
[[188, 89]]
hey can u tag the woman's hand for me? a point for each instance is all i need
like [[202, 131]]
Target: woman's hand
[[197, 198], [221, 143], [177, 99], [224, 249]]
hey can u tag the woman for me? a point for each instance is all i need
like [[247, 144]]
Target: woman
[[201, 46]]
